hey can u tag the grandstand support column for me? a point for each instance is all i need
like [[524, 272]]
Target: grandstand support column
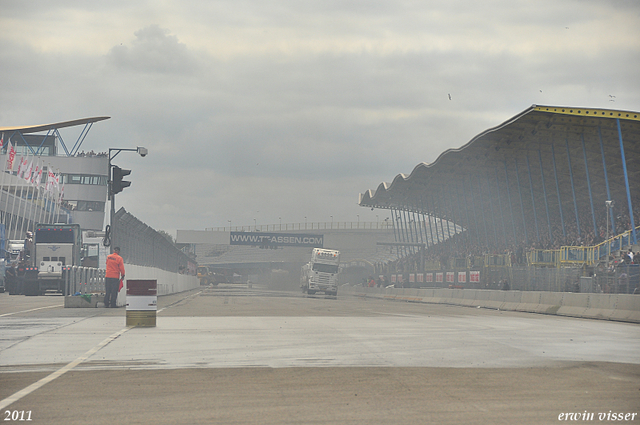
[[441, 225], [493, 215], [407, 228], [400, 237], [626, 182], [606, 181], [454, 217], [504, 224], [429, 207], [586, 168], [423, 228], [524, 220], [546, 201], [573, 188], [555, 174], [444, 208], [513, 219], [414, 226], [533, 200], [465, 239], [433, 241], [393, 221], [405, 231], [475, 217], [416, 222]]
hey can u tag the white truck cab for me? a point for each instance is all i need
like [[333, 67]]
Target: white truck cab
[[321, 273]]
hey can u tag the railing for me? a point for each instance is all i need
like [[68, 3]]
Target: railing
[[591, 255], [497, 260], [349, 225], [84, 280], [543, 257]]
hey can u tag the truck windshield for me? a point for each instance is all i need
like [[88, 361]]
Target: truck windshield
[[54, 236], [325, 268]]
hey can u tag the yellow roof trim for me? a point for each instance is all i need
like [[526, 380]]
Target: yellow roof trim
[[590, 112]]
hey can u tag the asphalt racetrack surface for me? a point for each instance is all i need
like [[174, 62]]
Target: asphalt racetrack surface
[[235, 355]]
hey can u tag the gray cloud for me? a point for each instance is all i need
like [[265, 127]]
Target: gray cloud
[[292, 109], [153, 51]]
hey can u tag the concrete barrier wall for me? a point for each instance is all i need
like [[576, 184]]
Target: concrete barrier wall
[[168, 283], [621, 307]]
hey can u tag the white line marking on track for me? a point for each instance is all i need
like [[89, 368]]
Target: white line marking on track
[[33, 309], [31, 388]]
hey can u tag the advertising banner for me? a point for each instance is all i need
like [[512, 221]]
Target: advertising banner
[[412, 277], [462, 277], [450, 277], [439, 276], [474, 276], [428, 277], [420, 277], [265, 239]]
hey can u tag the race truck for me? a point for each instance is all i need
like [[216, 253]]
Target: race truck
[[321, 273], [54, 249]]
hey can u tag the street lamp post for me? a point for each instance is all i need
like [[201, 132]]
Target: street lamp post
[[113, 152]]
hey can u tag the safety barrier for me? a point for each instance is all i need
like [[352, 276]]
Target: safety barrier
[[543, 257], [84, 280], [619, 307]]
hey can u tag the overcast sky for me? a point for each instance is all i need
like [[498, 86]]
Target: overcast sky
[[267, 110]]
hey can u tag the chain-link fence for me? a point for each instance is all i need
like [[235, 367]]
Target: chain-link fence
[[143, 246], [565, 279]]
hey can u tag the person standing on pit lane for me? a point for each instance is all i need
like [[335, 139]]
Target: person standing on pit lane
[[113, 275]]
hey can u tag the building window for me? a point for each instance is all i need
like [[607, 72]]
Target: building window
[[85, 179], [91, 206]]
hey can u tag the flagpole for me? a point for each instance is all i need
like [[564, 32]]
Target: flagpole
[[31, 204], [13, 205], [40, 188], [4, 167], [57, 197], [46, 197], [3, 207], [22, 201]]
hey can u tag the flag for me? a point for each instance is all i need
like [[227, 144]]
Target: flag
[[51, 178], [37, 174], [2, 141], [61, 193], [11, 156], [28, 171], [20, 167]]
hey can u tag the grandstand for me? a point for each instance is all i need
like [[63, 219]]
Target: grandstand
[[531, 191]]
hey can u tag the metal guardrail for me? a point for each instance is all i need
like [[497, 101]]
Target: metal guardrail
[[543, 257], [591, 255], [84, 280], [143, 246]]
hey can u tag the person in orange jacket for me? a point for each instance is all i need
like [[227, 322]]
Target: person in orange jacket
[[114, 274]]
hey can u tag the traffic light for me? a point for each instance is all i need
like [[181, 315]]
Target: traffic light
[[117, 184]]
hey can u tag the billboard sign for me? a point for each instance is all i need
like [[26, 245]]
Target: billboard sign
[[276, 239]]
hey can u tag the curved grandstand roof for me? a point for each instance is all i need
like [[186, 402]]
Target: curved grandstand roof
[[542, 167]]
